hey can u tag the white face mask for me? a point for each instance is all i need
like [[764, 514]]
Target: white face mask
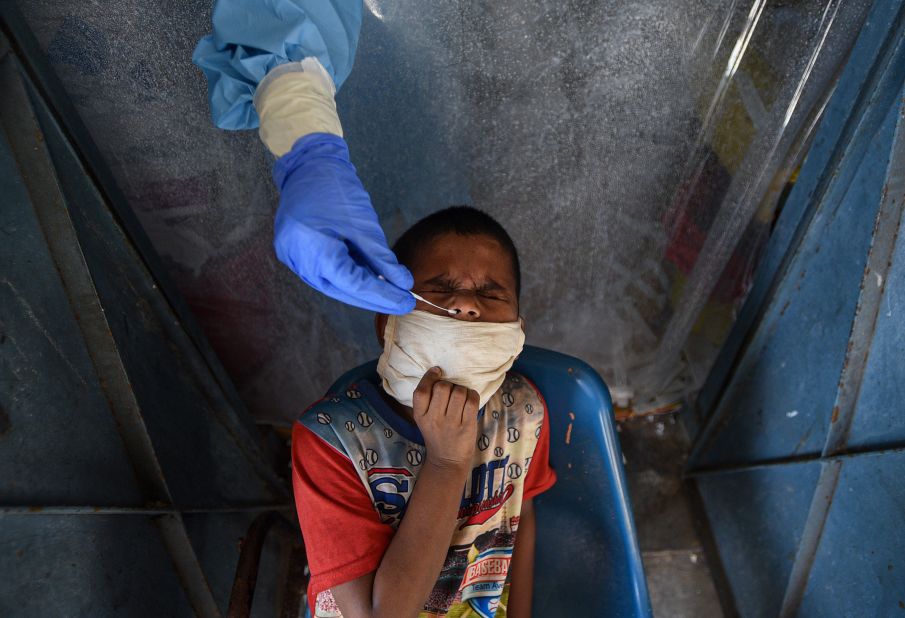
[[476, 355]]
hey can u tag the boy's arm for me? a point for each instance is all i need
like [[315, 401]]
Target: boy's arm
[[521, 577], [413, 560], [447, 417], [539, 479]]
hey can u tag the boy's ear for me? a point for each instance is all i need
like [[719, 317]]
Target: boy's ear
[[380, 325]]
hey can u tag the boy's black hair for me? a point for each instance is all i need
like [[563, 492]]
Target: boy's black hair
[[462, 220]]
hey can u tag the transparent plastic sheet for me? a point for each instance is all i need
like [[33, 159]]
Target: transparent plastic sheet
[[636, 151]]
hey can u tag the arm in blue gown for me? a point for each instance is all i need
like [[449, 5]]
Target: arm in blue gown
[[326, 229]]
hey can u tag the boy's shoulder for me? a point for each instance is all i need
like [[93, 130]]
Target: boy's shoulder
[[518, 392], [345, 405], [346, 419]]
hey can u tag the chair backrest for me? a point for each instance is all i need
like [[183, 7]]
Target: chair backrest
[[587, 561]]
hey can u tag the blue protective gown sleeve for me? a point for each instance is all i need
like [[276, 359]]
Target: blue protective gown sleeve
[[250, 37], [326, 229]]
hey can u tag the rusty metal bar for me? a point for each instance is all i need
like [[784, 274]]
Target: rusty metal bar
[[296, 583], [876, 274], [242, 595], [243, 592]]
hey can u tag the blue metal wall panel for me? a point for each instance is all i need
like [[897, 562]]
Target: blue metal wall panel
[[855, 106], [759, 516], [859, 569], [202, 449], [115, 421], [95, 565], [50, 399], [780, 400]]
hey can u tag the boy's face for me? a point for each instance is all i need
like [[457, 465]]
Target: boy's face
[[470, 273]]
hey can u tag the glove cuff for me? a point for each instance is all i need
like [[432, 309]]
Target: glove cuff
[[294, 100]]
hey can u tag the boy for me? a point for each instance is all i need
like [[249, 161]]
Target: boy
[[379, 470]]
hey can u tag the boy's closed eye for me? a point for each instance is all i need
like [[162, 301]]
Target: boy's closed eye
[[491, 289], [490, 294]]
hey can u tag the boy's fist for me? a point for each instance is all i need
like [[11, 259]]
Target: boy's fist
[[447, 415]]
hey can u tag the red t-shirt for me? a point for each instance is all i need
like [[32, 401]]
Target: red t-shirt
[[355, 463]]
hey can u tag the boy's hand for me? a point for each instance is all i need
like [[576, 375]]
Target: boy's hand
[[447, 415]]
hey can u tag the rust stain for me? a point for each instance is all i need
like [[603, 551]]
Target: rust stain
[[835, 416], [804, 438], [569, 434], [35, 509]]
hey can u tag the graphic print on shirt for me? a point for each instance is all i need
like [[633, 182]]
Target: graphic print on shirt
[[483, 495], [475, 572], [391, 488]]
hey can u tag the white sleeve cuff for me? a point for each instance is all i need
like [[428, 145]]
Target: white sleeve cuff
[[294, 100]]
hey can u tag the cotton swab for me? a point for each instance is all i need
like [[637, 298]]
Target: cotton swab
[[424, 300]]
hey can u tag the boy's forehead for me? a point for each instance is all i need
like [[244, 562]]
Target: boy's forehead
[[479, 257]]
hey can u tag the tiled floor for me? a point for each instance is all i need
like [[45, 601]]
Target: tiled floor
[[678, 576]]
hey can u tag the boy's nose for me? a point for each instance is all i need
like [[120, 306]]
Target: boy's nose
[[467, 305]]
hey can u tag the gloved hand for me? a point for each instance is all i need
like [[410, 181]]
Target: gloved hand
[[327, 232], [276, 64]]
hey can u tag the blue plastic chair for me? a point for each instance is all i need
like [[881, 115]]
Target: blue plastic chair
[[587, 561]]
